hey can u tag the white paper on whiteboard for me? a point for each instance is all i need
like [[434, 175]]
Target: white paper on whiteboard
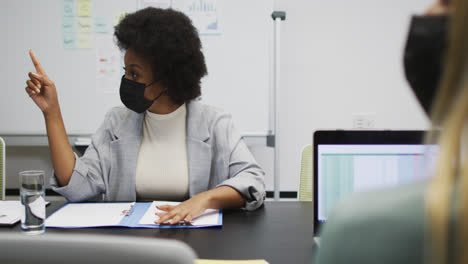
[[108, 65]]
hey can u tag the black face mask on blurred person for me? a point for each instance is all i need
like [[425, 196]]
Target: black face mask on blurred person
[[424, 56], [132, 95]]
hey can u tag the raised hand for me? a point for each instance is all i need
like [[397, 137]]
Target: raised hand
[[41, 89]]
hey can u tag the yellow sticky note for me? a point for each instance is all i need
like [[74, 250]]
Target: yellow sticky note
[[85, 25], [220, 261], [84, 8], [84, 41]]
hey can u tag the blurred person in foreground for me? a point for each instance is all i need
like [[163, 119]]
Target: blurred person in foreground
[[423, 222]]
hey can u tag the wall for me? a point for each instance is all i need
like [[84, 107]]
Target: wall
[[79, 77], [338, 58]]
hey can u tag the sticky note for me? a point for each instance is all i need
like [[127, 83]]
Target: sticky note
[[84, 8], [69, 41], [68, 7], [68, 25], [84, 25], [84, 41], [101, 25]]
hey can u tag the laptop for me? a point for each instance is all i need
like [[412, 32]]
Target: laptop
[[349, 161]]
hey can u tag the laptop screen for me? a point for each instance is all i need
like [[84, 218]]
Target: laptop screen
[[347, 162], [345, 169]]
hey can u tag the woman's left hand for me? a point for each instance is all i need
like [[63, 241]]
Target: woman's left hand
[[185, 211]]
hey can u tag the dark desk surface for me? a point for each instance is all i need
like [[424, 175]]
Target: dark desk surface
[[280, 232]]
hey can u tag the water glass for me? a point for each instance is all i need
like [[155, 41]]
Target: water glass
[[33, 201]]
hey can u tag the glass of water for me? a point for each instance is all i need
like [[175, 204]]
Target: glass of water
[[33, 201]]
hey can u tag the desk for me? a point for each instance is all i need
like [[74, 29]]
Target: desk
[[280, 232]]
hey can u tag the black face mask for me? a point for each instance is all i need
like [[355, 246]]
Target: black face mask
[[423, 59], [132, 95]]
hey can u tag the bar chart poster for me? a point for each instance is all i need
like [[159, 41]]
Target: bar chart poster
[[204, 15]]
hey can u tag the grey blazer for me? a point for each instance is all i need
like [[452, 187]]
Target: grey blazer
[[385, 226], [216, 153]]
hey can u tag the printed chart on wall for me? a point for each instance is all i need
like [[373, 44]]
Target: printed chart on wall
[[203, 13]]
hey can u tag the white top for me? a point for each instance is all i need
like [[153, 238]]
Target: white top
[[162, 168]]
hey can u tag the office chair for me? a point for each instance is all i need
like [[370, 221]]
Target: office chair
[[59, 248], [306, 184], [2, 169]]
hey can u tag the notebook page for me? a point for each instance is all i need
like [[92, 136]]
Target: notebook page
[[208, 218], [89, 215], [10, 212]]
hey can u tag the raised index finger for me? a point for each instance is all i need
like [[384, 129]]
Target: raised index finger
[[36, 63]]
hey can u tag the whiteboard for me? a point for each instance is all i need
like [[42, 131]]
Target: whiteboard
[[238, 61]]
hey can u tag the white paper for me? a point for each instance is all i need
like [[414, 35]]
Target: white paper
[[38, 207], [209, 217], [89, 215], [10, 212], [109, 67]]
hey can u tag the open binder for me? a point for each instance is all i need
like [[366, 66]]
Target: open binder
[[133, 215]]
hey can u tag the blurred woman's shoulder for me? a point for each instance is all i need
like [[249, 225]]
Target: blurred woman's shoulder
[[382, 226]]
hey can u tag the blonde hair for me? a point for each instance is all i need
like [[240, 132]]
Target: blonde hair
[[450, 113]]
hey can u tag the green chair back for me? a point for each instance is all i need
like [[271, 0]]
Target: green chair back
[[306, 183], [2, 169]]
